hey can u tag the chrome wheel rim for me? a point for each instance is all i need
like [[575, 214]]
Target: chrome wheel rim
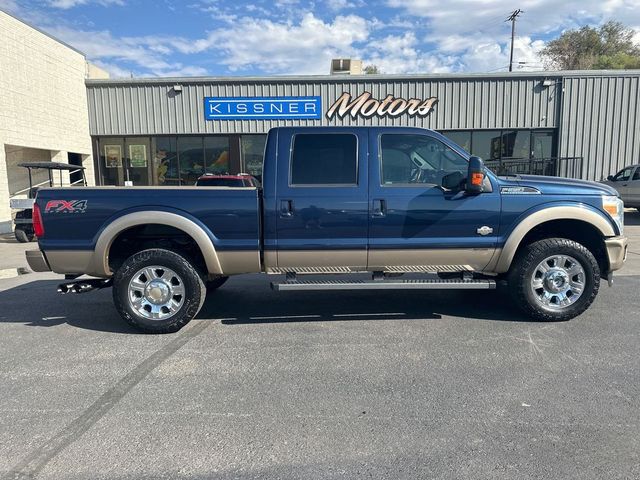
[[156, 292], [558, 282]]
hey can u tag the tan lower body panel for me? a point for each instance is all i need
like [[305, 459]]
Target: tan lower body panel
[[431, 260], [319, 261], [395, 261], [234, 263], [71, 261]]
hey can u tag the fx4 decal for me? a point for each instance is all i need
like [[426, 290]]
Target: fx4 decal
[[65, 206]]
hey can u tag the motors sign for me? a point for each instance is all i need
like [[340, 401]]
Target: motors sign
[[262, 108], [364, 105]]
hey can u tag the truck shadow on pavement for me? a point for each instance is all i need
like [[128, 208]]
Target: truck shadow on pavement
[[249, 300], [238, 303]]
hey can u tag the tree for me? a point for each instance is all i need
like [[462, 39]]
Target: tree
[[610, 46], [371, 70]]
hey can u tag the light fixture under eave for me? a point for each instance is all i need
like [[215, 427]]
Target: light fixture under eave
[[177, 88], [547, 82]]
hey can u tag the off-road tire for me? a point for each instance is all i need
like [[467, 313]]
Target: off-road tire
[[195, 290], [526, 261], [23, 236], [216, 283]]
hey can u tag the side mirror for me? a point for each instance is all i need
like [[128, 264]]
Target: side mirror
[[452, 181], [610, 178], [475, 175]]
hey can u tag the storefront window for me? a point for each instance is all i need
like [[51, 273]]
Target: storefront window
[[216, 154], [252, 148], [165, 169], [486, 144], [111, 158], [137, 160], [463, 139], [191, 157], [515, 143]]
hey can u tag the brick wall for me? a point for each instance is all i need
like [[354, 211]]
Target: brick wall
[[43, 100]]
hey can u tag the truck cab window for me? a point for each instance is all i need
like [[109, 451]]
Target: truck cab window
[[324, 159], [417, 159], [623, 175]]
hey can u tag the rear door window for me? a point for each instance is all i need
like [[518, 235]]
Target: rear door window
[[324, 159]]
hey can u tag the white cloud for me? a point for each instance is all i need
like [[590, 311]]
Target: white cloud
[[145, 55], [337, 5], [285, 47], [9, 6], [66, 4], [475, 31], [398, 54]]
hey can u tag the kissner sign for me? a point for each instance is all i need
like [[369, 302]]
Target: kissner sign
[[366, 107], [262, 108]]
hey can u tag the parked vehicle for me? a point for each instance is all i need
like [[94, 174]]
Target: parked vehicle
[[23, 225], [215, 180], [380, 200], [627, 184]]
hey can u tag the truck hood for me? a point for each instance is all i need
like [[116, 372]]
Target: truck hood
[[560, 186]]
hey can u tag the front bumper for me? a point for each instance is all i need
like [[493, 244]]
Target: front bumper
[[616, 251], [37, 261]]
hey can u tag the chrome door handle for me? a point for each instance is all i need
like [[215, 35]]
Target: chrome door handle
[[286, 208], [379, 208]]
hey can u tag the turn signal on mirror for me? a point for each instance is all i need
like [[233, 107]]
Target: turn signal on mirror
[[477, 178]]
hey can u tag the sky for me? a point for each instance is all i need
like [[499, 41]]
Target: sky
[[144, 38]]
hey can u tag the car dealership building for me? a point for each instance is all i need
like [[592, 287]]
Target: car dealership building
[[169, 131]]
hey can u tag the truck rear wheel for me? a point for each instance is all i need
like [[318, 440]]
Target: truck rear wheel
[[23, 235], [158, 291], [554, 279]]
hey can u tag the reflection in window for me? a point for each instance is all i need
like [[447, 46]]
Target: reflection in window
[[324, 159], [419, 159], [216, 154], [191, 157], [462, 139], [252, 148], [486, 144], [515, 143], [542, 144], [165, 161]]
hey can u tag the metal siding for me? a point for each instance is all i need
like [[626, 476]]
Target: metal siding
[[601, 115], [150, 108], [600, 110]]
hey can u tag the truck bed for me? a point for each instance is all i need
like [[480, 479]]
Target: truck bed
[[229, 216]]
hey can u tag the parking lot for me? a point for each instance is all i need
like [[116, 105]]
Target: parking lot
[[403, 384]]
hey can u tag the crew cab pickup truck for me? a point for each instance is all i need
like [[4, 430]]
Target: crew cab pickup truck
[[379, 201]]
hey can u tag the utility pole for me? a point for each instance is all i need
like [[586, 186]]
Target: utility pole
[[512, 18]]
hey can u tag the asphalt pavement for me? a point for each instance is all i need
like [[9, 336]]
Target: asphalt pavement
[[297, 385]]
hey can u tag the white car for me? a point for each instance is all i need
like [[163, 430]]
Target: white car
[[627, 183]]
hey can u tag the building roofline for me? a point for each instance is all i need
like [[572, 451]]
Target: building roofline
[[43, 32], [370, 78]]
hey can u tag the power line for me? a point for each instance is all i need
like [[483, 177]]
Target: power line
[[512, 18]]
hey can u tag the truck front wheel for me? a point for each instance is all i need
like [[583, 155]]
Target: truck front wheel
[[158, 291], [554, 279]]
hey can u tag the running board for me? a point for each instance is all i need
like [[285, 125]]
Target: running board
[[386, 285]]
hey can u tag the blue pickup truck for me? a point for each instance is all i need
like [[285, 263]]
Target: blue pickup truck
[[380, 201]]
